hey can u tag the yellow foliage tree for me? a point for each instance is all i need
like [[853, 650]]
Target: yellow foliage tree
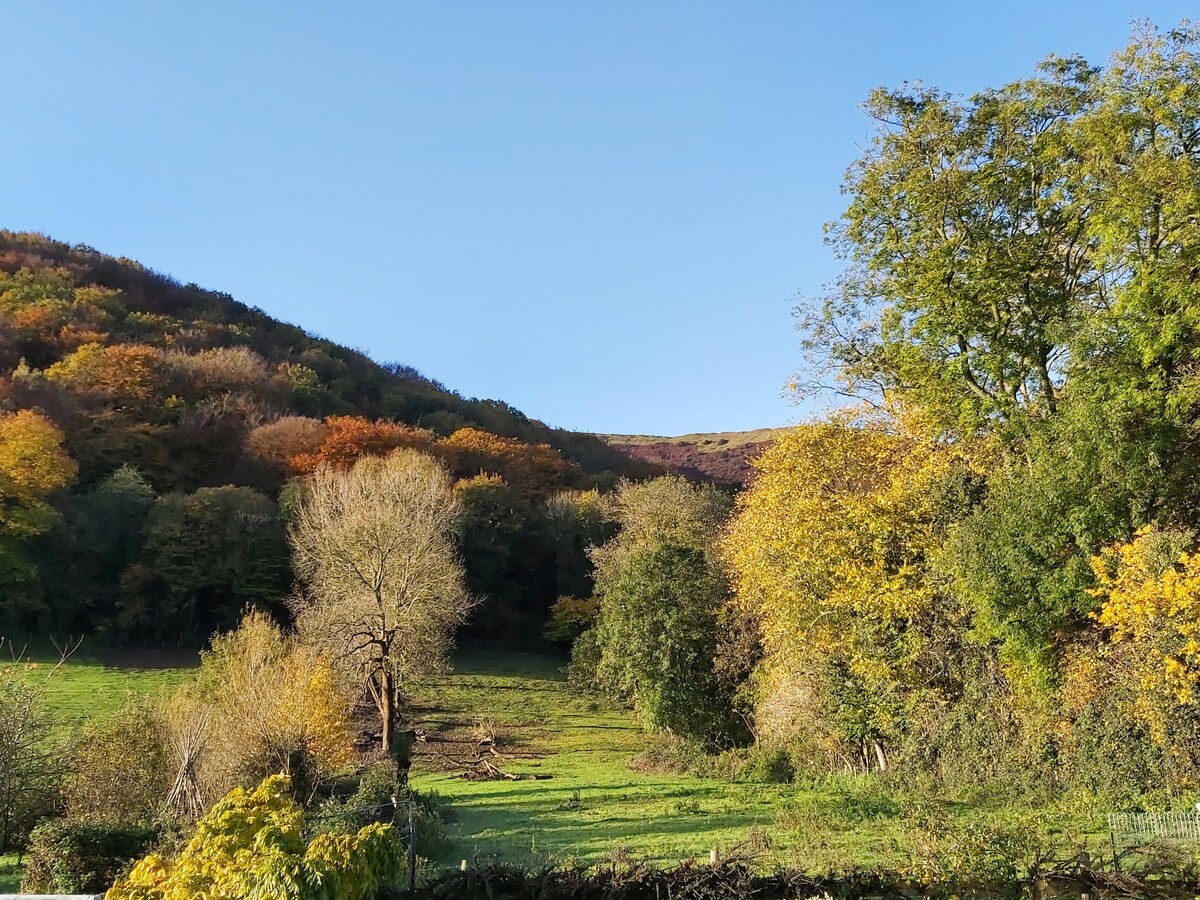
[[122, 374], [828, 549], [251, 845], [1151, 594], [270, 704], [32, 459], [33, 464]]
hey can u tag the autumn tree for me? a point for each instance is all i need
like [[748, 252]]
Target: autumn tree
[[268, 704], [125, 375], [33, 464], [285, 439], [1150, 593], [347, 439], [830, 550], [47, 315], [384, 589], [528, 468]]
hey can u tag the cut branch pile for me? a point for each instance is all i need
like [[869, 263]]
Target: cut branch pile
[[483, 762]]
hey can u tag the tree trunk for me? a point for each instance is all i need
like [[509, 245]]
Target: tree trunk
[[880, 756], [387, 707]]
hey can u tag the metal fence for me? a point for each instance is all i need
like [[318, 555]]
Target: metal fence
[[1142, 827]]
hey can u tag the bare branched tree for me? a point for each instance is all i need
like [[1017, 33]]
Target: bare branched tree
[[384, 586], [32, 758]]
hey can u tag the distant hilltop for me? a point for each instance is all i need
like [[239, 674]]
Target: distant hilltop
[[722, 458]]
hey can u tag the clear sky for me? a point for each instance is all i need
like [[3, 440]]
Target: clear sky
[[600, 212]]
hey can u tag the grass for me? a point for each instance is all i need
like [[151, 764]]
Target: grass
[[594, 806], [89, 685], [10, 875]]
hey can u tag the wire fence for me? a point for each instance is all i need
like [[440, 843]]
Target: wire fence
[[1143, 827]]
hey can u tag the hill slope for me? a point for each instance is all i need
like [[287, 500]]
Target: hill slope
[[149, 429], [722, 457], [55, 298]]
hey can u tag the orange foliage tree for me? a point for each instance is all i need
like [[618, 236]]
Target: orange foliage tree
[[349, 438], [528, 468], [127, 374]]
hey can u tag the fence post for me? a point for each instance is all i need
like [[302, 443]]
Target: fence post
[[412, 850]]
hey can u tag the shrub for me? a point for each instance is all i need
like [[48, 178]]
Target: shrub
[[585, 658], [262, 704], [251, 845], [670, 754], [371, 802], [768, 767], [121, 770], [76, 857]]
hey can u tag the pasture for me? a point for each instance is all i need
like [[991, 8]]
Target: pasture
[[589, 805], [593, 806]]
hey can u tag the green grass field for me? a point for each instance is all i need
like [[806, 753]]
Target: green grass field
[[95, 684], [593, 805], [10, 875]]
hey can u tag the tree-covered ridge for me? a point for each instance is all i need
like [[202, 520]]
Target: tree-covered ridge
[[55, 299], [149, 430]]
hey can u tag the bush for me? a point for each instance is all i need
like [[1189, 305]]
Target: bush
[[585, 658], [121, 768], [76, 858], [669, 754], [767, 767], [251, 845], [371, 802]]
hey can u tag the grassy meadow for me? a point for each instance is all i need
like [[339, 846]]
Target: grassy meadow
[[95, 684], [594, 806], [590, 805]]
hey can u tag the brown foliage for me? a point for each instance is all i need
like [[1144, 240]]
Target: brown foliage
[[528, 468], [349, 438], [285, 439]]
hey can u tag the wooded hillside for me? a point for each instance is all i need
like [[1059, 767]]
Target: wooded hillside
[[148, 431]]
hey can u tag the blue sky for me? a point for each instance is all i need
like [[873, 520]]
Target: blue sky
[[602, 213]]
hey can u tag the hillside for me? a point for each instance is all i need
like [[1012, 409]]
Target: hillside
[[124, 302], [722, 457], [149, 431]]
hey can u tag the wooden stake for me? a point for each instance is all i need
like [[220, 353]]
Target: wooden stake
[[412, 850]]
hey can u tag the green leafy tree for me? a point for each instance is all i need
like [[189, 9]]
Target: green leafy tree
[[211, 553], [101, 534], [661, 587], [969, 266]]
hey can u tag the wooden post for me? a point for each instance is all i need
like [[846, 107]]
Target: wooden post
[[412, 850], [712, 856], [462, 866]]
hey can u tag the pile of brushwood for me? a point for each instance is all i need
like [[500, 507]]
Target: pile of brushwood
[[736, 879]]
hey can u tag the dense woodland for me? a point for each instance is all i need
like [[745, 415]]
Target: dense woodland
[[151, 431]]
